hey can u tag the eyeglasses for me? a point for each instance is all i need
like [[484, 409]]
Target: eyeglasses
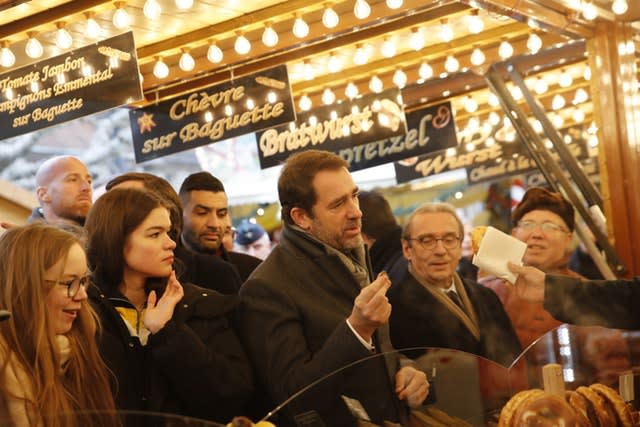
[[449, 241], [546, 227], [73, 285]]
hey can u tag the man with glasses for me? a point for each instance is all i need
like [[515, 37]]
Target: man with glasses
[[433, 306]]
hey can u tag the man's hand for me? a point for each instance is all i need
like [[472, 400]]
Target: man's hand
[[158, 313], [530, 282], [412, 386], [371, 309]]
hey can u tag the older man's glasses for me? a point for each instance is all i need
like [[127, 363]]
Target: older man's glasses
[[449, 241], [546, 227], [73, 285]]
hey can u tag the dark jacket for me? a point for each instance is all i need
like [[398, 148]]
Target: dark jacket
[[418, 319], [386, 255], [243, 262], [194, 366], [295, 307], [608, 303], [207, 271]]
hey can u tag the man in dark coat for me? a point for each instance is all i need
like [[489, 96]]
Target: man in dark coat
[[311, 308], [433, 307]]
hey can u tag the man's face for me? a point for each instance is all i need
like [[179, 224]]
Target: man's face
[[69, 191], [435, 265], [546, 249], [259, 249], [336, 215], [205, 218]]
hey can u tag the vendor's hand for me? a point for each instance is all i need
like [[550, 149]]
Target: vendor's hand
[[412, 386], [530, 282], [371, 308], [158, 313]]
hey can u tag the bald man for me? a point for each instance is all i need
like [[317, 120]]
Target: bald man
[[64, 190]]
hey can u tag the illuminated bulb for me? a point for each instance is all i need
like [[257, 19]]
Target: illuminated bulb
[[9, 93], [394, 4], [558, 121], [476, 24], [351, 90], [470, 105], [87, 70], [60, 78], [580, 97], [121, 18], [505, 50], [451, 64], [272, 97], [305, 103], [516, 93], [494, 118], [489, 142], [92, 28], [493, 100], [63, 38], [361, 9], [534, 43], [330, 18], [228, 110], [425, 71], [416, 40], [33, 48], [7, 58], [589, 11], [446, 33], [328, 97], [300, 28], [541, 86], [160, 70], [376, 84], [250, 104], [619, 7], [537, 126], [361, 56], [214, 54], [308, 71], [152, 9], [334, 64], [400, 78], [565, 79], [477, 57], [593, 141], [184, 4], [450, 152], [269, 36], [388, 48], [558, 102], [35, 87], [242, 45], [587, 73], [186, 63], [578, 115]]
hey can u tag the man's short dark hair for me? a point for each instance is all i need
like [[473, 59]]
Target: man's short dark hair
[[377, 217], [295, 189], [201, 181]]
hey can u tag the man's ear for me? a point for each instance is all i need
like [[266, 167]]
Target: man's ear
[[43, 195], [301, 218], [405, 249]]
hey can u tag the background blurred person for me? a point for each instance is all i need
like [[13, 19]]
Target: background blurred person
[[170, 345], [51, 372], [252, 239]]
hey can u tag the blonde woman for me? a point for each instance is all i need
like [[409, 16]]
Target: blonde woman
[[51, 373]]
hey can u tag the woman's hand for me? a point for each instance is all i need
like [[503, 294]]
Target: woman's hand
[[158, 313]]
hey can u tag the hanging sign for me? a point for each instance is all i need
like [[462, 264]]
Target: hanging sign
[[82, 82], [237, 107], [372, 117]]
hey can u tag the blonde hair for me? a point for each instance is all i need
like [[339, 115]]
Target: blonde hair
[[28, 336]]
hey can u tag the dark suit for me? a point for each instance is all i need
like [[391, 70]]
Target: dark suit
[[244, 263], [418, 319], [207, 271]]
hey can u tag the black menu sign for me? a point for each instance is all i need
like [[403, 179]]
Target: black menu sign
[[85, 81], [243, 105]]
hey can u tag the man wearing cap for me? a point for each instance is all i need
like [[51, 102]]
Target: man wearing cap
[[252, 239]]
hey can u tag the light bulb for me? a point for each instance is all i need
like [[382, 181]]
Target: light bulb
[[305, 103], [351, 90], [493, 100], [516, 92], [184, 4], [558, 102], [451, 64], [300, 28], [619, 7], [242, 45], [214, 54], [534, 43], [388, 48], [565, 79], [494, 118], [186, 63], [446, 33], [63, 38], [334, 64], [7, 57], [330, 18], [400, 78], [375, 84], [541, 86], [505, 50], [307, 70], [328, 97], [394, 4], [580, 96], [578, 115], [589, 11], [152, 9], [557, 120], [470, 105], [425, 71], [361, 9], [587, 73], [477, 57], [121, 18], [476, 24], [160, 70], [269, 36], [416, 39], [92, 28], [33, 48], [361, 56]]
